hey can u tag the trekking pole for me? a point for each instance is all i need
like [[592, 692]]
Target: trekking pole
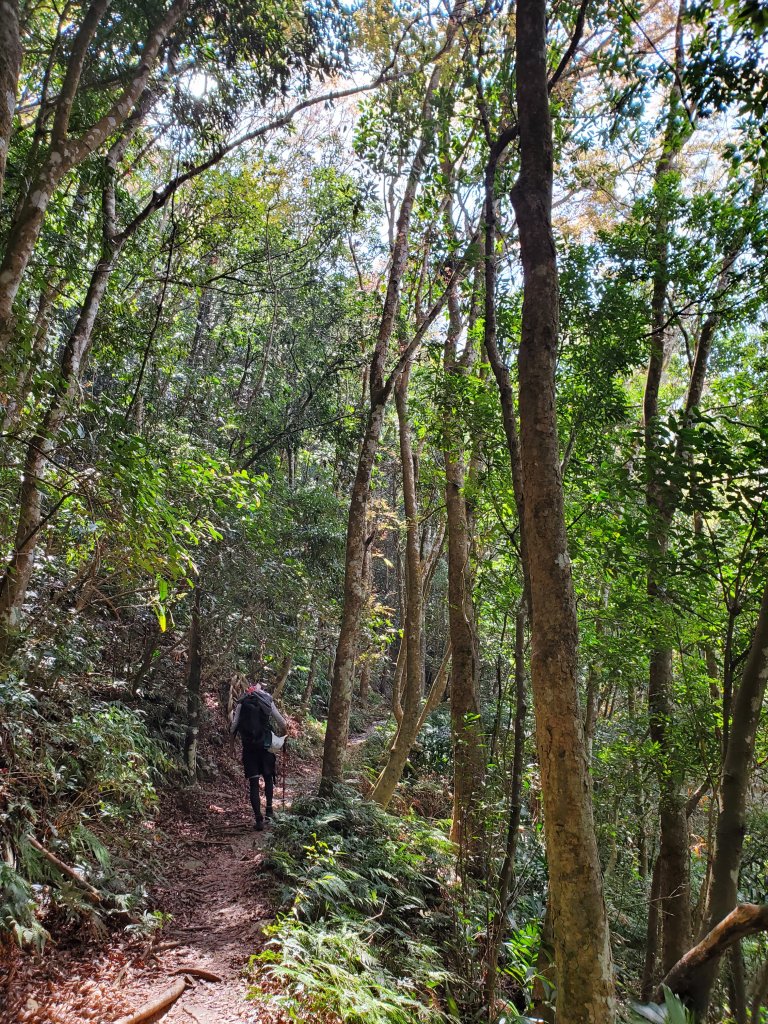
[[285, 769]]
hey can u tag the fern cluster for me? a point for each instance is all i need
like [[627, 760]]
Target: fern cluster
[[362, 937], [74, 772]]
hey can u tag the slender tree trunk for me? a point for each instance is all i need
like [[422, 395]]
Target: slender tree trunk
[[310, 684], [18, 391], [544, 981], [585, 988], [498, 366], [466, 727], [364, 685], [193, 688], [10, 68], [337, 731], [66, 152], [15, 581], [759, 993], [674, 855], [436, 690], [731, 820], [397, 679], [414, 615], [507, 874], [737, 988], [648, 981], [363, 658]]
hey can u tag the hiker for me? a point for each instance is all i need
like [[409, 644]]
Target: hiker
[[251, 718]]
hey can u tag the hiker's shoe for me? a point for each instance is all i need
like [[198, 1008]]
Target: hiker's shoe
[[269, 813], [259, 825]]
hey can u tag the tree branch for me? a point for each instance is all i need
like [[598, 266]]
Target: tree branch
[[746, 919], [578, 32]]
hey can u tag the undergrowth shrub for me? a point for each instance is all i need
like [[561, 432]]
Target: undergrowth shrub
[[76, 774], [308, 742], [363, 884]]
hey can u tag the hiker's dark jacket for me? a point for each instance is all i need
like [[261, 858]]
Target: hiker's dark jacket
[[257, 760]]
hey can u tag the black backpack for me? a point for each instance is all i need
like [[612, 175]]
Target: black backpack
[[254, 719]]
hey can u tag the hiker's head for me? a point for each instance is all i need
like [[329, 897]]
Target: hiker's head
[[254, 688]]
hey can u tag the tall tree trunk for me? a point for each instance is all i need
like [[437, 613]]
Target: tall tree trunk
[[507, 873], [585, 988], [363, 658], [15, 581], [466, 726], [737, 987], [545, 978], [379, 387], [674, 894], [193, 688], [414, 615], [364, 686], [647, 981], [758, 993], [731, 820], [66, 152], [310, 684], [19, 390], [10, 68]]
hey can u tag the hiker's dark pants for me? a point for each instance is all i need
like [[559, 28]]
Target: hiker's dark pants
[[259, 762]]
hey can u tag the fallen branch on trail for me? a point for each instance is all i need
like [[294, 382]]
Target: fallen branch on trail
[[156, 1005], [65, 869], [746, 919], [198, 972]]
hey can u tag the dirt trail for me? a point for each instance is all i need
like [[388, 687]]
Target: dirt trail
[[213, 884]]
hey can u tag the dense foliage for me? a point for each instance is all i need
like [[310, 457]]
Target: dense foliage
[[263, 394]]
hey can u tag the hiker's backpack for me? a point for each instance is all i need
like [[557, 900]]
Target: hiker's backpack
[[254, 718]]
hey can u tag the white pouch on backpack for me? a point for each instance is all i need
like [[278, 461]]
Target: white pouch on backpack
[[277, 743]]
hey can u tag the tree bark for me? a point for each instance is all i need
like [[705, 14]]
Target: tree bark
[[674, 856], [414, 614], [507, 873], [652, 935], [731, 820], [10, 68], [737, 988], [466, 726], [758, 993], [337, 731], [310, 684], [15, 581], [65, 153], [585, 987], [746, 919], [193, 688]]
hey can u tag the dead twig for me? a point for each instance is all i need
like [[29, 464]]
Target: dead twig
[[65, 869]]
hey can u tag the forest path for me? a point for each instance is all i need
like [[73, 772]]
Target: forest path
[[211, 879]]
